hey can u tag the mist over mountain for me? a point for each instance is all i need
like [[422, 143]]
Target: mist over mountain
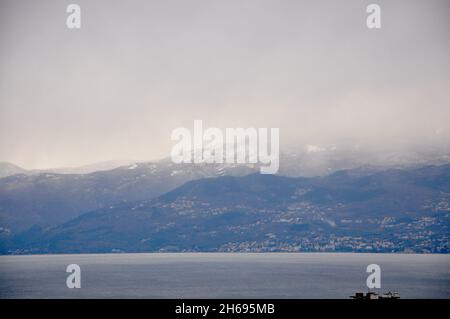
[[314, 70], [8, 169], [304, 160], [86, 169], [320, 160]]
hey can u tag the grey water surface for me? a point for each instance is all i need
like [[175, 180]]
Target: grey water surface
[[223, 275]]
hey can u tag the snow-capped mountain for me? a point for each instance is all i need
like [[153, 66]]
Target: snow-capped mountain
[[46, 199]]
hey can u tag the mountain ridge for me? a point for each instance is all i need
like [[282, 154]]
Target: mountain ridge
[[388, 211]]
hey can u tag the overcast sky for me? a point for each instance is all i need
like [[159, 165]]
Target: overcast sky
[[116, 88]]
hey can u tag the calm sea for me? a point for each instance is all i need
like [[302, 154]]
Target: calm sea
[[220, 275]]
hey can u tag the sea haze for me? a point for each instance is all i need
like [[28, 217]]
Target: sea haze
[[223, 275]]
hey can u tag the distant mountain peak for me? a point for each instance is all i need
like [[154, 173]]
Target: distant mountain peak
[[8, 169]]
